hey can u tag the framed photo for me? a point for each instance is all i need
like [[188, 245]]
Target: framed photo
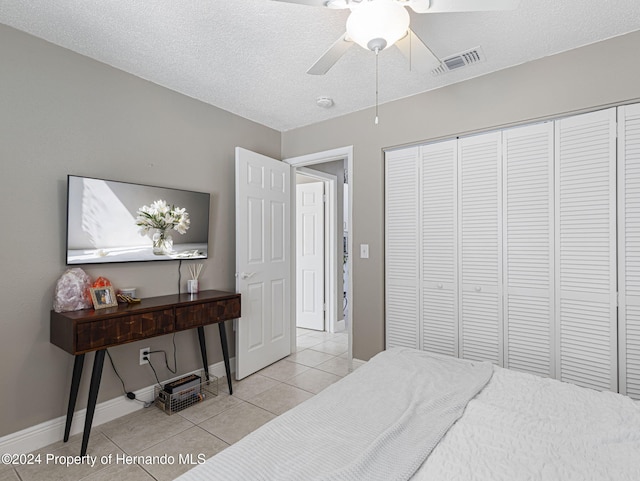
[[103, 297]]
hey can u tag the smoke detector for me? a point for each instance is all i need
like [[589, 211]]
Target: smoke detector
[[324, 102]]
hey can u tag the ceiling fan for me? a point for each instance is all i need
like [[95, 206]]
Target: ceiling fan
[[379, 24]]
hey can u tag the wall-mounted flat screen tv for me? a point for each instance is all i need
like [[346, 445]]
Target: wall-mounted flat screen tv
[[111, 221]]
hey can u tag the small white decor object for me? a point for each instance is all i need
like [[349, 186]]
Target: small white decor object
[[128, 291], [72, 291], [192, 284], [161, 218]]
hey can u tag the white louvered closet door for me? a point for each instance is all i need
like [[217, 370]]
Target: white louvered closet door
[[480, 254], [586, 249], [629, 248], [438, 188], [402, 256], [528, 248]]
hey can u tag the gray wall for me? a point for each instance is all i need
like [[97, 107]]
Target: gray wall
[[62, 113], [582, 79]]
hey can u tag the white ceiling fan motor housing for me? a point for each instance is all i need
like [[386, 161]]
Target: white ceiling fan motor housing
[[377, 24]]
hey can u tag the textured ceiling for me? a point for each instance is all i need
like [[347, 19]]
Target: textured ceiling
[[249, 57]]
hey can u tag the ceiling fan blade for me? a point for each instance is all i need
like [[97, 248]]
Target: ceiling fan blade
[[331, 56], [446, 6], [420, 56], [311, 3]]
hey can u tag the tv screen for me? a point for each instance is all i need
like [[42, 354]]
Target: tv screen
[[111, 221]]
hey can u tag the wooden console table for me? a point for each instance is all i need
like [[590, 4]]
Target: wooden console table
[[79, 332]]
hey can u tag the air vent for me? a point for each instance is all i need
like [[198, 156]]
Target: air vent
[[454, 62]]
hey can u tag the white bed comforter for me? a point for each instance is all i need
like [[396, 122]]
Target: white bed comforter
[[523, 427], [379, 423], [519, 427]]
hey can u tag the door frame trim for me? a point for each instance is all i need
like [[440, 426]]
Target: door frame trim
[[340, 153]]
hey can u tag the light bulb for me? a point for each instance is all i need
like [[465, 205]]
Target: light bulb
[[377, 24]]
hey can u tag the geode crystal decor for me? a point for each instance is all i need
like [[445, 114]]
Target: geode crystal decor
[[71, 293]]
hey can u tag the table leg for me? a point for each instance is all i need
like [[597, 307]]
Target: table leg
[[78, 364], [203, 351], [225, 353], [96, 375]]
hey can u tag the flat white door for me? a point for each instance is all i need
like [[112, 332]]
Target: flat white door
[[263, 262], [310, 256]]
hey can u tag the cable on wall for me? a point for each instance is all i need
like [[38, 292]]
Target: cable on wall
[[154, 372], [166, 359], [128, 394]]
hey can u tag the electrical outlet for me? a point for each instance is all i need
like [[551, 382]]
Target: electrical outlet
[[142, 351]]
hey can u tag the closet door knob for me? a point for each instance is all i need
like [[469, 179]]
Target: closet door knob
[[440, 286], [477, 288]]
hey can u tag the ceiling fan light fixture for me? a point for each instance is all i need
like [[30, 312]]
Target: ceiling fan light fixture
[[377, 24]]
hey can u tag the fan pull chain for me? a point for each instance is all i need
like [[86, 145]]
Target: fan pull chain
[[376, 50], [410, 50]]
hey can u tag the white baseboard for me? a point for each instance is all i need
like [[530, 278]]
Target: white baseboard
[[338, 326], [48, 432]]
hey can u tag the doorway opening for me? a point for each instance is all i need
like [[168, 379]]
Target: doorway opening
[[319, 243], [332, 170]]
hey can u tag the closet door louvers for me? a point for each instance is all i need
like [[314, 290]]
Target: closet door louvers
[[438, 188], [528, 248], [586, 250], [629, 248], [480, 254], [402, 260]]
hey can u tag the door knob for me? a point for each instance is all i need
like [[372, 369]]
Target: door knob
[[247, 275]]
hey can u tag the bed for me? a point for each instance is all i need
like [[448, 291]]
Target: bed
[[409, 414]]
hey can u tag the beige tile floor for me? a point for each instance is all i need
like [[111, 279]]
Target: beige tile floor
[[201, 430]]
